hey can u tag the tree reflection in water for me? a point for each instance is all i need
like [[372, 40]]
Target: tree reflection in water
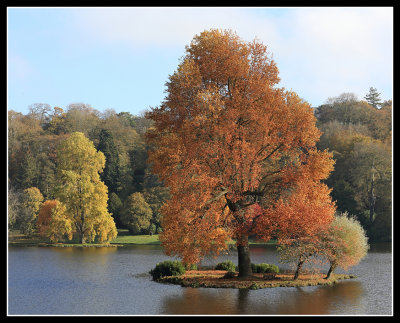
[[344, 297]]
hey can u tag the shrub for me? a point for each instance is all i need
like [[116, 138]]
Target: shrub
[[226, 265], [254, 286], [264, 268], [190, 266], [167, 268]]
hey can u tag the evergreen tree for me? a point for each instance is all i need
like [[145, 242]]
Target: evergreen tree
[[27, 174], [373, 97], [114, 207], [111, 175]]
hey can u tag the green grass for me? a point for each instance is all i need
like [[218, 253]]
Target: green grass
[[124, 238], [15, 238]]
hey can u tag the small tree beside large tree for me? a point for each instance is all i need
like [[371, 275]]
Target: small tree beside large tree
[[81, 191]]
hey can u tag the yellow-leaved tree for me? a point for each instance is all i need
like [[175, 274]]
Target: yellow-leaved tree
[[81, 190]]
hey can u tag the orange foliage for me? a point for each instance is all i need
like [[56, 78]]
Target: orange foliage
[[306, 212], [234, 150], [44, 217]]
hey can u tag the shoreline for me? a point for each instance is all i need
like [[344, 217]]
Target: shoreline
[[215, 279], [124, 239]]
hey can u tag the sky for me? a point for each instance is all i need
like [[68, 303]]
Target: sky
[[120, 57]]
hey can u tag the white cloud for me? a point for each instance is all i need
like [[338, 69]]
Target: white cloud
[[318, 50], [164, 27], [334, 50]]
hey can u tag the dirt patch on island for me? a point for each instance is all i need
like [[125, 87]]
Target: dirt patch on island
[[218, 279]]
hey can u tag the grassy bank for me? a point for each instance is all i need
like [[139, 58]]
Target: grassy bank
[[124, 238], [15, 238]]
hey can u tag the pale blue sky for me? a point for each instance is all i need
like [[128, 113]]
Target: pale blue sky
[[120, 58]]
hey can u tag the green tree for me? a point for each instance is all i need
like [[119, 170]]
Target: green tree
[[373, 97], [13, 206], [360, 138], [111, 176], [371, 176], [27, 176], [155, 195], [31, 201], [125, 139], [114, 207], [136, 214], [81, 190], [346, 110]]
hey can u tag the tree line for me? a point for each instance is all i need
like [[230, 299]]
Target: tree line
[[134, 194], [357, 132]]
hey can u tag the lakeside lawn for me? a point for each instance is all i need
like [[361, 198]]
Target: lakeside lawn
[[124, 238], [15, 238]]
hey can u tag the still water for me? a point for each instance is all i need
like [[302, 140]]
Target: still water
[[115, 281]]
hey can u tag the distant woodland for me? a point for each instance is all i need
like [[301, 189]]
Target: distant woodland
[[357, 132]]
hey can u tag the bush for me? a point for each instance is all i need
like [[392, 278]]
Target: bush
[[226, 265], [264, 268], [190, 266], [254, 286], [167, 268]]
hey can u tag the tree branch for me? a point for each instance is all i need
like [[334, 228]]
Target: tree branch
[[218, 196]]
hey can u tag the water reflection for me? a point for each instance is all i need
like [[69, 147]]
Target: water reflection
[[323, 300], [116, 281], [202, 301], [289, 301], [295, 300], [84, 250]]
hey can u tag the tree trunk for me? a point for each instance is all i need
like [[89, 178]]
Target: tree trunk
[[372, 197], [299, 265], [244, 257], [81, 238], [82, 231], [330, 271]]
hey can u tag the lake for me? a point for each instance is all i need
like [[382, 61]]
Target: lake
[[115, 281]]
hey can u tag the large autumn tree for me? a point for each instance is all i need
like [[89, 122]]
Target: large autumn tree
[[237, 153]]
